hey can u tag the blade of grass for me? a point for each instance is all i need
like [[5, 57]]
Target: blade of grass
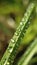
[[12, 49], [33, 60], [25, 59]]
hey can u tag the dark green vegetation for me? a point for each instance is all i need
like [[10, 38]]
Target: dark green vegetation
[[23, 34]]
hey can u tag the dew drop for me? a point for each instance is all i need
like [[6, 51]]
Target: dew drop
[[12, 40], [19, 30], [16, 34], [20, 23], [28, 22], [8, 63], [26, 27], [10, 50], [23, 19], [26, 15], [11, 62]]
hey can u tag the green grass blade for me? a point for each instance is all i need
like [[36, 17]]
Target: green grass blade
[[33, 60], [28, 54]]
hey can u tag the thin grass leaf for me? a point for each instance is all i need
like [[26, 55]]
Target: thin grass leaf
[[27, 56], [33, 60], [14, 44]]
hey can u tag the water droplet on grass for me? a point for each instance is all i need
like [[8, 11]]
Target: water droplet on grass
[[20, 23], [23, 19], [16, 34], [8, 63], [12, 40]]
